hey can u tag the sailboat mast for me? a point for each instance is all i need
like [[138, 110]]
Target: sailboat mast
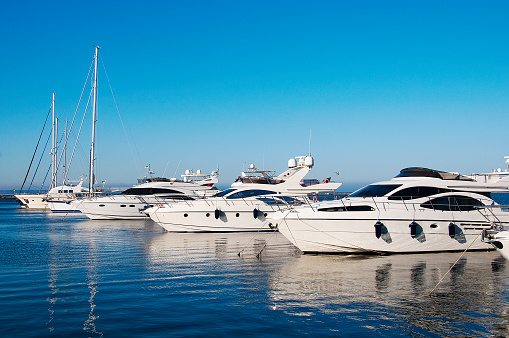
[[53, 146], [94, 119], [65, 155]]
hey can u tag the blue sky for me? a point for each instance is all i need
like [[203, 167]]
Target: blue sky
[[381, 85]]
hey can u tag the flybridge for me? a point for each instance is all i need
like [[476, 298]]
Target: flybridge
[[425, 172]]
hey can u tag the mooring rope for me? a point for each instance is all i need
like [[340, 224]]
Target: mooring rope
[[429, 294]]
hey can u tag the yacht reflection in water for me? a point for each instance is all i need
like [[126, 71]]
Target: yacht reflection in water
[[185, 247], [391, 292]]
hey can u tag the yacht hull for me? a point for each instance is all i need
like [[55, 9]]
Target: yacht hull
[[200, 216], [33, 201], [114, 207], [62, 206], [317, 233], [501, 243]]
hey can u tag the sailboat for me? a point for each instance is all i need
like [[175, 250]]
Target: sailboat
[[56, 192], [64, 204]]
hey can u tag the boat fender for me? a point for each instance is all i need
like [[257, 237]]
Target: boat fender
[[452, 230], [216, 213], [498, 244], [255, 213], [378, 229], [413, 229]]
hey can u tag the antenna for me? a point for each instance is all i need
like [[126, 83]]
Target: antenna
[[178, 165], [166, 168], [309, 142]]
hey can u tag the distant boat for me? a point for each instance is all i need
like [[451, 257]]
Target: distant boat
[[130, 203], [60, 194], [56, 192]]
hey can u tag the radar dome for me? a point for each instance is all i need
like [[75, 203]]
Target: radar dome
[[198, 171], [309, 161], [292, 163], [187, 171]]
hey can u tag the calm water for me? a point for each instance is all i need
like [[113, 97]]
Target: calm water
[[75, 277]]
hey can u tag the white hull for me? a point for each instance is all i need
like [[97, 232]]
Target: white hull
[[355, 232], [112, 207], [60, 194], [501, 243], [33, 201], [200, 216], [62, 206]]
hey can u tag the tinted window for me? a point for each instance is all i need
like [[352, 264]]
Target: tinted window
[[375, 190], [417, 192], [150, 191], [452, 203], [348, 208], [250, 193], [136, 191], [165, 191]]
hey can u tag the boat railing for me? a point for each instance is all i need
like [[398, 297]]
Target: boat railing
[[275, 202], [404, 205]]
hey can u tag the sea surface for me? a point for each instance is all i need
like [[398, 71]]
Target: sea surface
[[69, 276]]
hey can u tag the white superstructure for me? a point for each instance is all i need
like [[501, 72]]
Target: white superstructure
[[244, 207], [420, 210]]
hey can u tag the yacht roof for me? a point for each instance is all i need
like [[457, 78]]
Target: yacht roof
[[425, 172]]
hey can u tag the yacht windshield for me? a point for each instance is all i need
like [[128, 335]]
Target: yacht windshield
[[150, 191], [250, 193], [417, 192], [280, 200], [375, 190]]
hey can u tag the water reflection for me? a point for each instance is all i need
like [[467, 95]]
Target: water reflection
[[177, 247], [92, 284], [106, 271], [53, 279], [397, 287]]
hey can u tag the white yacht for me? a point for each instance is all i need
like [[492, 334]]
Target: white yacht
[[57, 195], [131, 202], [245, 206], [420, 210]]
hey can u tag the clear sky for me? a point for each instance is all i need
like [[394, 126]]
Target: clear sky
[[380, 85]]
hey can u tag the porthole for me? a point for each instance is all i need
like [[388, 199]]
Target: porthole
[[131, 205], [122, 205], [237, 214], [265, 214], [207, 214], [102, 205], [433, 226], [185, 215]]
